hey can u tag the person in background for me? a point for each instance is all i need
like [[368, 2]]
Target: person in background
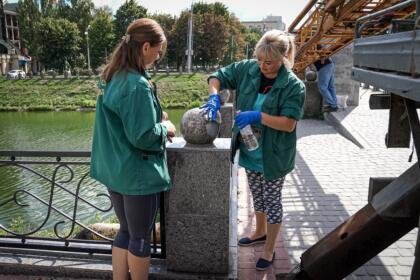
[[270, 98], [325, 68], [128, 148]]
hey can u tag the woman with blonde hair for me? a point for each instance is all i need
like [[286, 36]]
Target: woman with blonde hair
[[270, 98], [128, 148]]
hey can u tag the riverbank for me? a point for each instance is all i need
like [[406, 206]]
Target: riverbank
[[175, 91]]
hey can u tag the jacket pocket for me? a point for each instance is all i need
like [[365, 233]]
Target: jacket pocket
[[154, 170]]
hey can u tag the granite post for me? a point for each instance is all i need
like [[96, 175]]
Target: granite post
[[343, 62], [198, 207], [227, 120], [313, 100]]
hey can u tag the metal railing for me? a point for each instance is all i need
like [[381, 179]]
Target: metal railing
[[62, 163]]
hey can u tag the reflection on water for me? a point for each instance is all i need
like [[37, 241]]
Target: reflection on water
[[46, 131]]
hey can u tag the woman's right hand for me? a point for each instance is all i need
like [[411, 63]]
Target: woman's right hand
[[171, 128]]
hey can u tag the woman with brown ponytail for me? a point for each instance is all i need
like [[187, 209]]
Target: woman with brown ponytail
[[128, 148], [270, 98]]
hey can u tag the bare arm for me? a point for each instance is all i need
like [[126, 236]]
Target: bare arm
[[281, 123], [214, 85]]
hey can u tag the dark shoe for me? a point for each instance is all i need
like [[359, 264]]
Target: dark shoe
[[263, 264], [246, 241], [329, 109]]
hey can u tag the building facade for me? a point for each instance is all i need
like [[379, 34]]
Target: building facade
[[12, 26], [268, 23]]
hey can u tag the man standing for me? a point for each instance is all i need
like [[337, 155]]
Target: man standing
[[325, 69]]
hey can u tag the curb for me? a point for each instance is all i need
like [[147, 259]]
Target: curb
[[14, 262]]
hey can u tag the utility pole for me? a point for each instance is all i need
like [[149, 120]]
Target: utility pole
[[190, 40], [87, 44]]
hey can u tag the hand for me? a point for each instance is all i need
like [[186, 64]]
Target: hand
[[211, 107], [165, 116], [171, 128], [249, 117]]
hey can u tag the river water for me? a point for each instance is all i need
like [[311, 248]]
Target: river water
[[50, 131]]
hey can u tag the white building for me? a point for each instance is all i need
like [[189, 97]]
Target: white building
[[269, 23]]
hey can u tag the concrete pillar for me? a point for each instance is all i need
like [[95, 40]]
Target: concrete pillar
[[197, 207], [342, 75]]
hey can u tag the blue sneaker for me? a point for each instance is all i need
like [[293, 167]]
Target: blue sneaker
[[246, 241], [263, 264]]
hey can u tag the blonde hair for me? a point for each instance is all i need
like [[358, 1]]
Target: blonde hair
[[128, 54], [278, 45]]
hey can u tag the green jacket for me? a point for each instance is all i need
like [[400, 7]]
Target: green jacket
[[128, 148], [286, 98]]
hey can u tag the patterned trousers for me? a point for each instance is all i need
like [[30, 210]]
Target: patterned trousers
[[266, 195]]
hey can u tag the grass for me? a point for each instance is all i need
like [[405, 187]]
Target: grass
[[175, 91]]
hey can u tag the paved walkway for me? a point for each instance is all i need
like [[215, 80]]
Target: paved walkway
[[328, 185]]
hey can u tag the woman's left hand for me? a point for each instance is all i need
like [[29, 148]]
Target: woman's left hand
[[248, 117], [165, 116]]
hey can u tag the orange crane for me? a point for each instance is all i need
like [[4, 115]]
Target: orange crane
[[331, 24]]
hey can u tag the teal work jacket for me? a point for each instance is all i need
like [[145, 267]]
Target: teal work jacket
[[129, 142], [286, 98]]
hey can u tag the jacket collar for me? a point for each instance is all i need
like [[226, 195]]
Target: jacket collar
[[282, 76], [146, 75]]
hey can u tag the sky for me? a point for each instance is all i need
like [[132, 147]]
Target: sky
[[245, 10]]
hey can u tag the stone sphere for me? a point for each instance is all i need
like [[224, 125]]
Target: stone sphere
[[310, 76], [196, 129]]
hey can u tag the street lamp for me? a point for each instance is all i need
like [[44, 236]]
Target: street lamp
[[190, 39], [87, 43]]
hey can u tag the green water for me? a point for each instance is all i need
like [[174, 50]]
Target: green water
[[50, 131]]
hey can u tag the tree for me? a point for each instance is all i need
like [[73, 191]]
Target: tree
[[58, 40], [252, 36], [77, 11], [236, 42], [126, 14], [214, 31], [179, 39], [101, 37], [28, 15], [167, 22]]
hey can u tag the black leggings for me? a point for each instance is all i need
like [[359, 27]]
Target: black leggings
[[137, 215]]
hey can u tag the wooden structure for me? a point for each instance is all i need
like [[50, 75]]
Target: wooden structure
[[331, 24]]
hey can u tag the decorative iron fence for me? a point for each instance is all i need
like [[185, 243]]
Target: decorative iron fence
[[65, 179]]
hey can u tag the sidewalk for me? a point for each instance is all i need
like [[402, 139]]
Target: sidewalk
[[328, 185]]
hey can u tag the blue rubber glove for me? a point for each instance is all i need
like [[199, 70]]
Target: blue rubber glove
[[212, 106], [249, 117]]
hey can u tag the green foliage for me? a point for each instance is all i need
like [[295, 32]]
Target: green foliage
[[175, 91], [125, 15], [58, 40], [101, 37], [251, 39], [218, 36], [77, 11], [167, 22], [28, 14]]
